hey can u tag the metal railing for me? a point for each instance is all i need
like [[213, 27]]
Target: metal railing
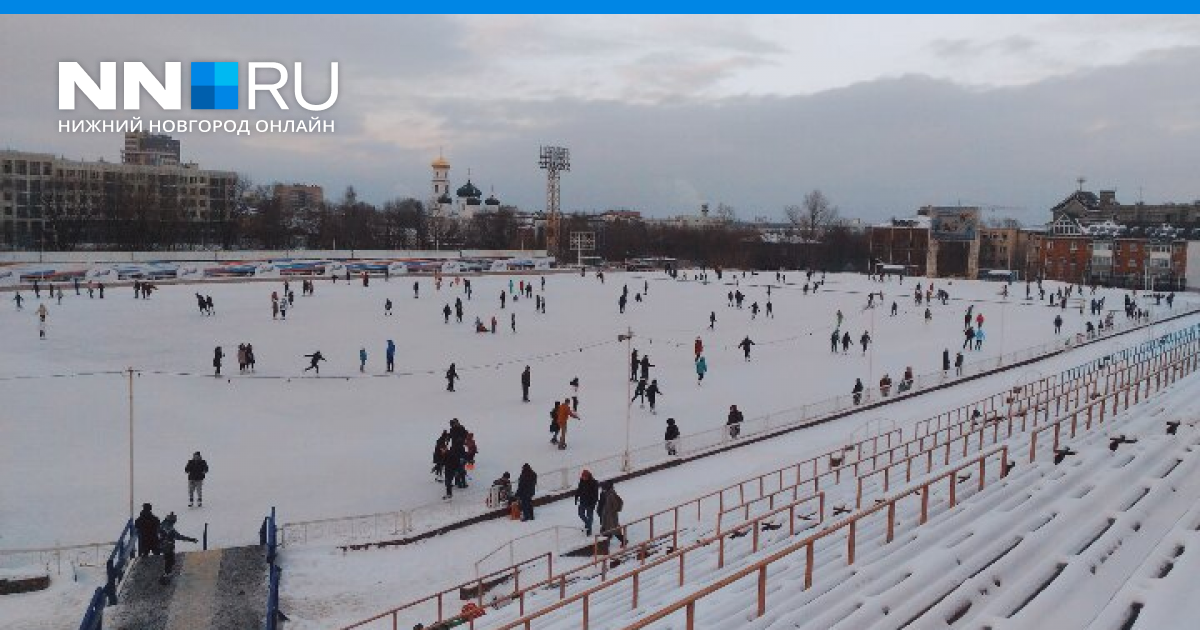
[[850, 524], [478, 586]]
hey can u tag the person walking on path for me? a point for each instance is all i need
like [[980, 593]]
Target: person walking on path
[[526, 487], [196, 469], [587, 493], [147, 525], [314, 361], [610, 506], [451, 376], [167, 535], [525, 379]]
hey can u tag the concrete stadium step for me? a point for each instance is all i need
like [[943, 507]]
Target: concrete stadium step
[[219, 589]]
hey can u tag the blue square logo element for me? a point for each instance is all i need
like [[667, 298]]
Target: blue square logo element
[[214, 85]]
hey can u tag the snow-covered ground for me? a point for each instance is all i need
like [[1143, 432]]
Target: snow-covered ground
[[355, 443]]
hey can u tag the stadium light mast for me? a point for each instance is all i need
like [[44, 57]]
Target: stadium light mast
[[553, 160]]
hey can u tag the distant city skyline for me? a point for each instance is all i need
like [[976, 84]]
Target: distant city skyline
[[884, 114]]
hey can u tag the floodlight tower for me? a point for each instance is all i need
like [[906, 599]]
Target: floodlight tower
[[553, 160]]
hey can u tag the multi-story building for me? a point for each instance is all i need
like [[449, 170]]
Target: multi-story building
[[902, 242], [146, 149], [1068, 252], [48, 201], [297, 197], [1090, 209]]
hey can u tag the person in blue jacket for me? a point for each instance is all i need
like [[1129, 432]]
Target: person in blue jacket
[[362, 359], [391, 356]]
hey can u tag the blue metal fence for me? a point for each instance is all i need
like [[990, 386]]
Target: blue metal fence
[[266, 538], [118, 562]]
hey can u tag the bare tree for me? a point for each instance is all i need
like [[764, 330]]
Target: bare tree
[[814, 215]]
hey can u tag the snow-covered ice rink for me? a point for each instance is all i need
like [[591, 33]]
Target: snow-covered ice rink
[[355, 443]]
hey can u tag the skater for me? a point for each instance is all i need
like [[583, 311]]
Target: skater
[[452, 465], [652, 393], [857, 391], [734, 421], [446, 314], [846, 342], [885, 385], [196, 469], [362, 360], [833, 341], [745, 346], [928, 315], [712, 320], [770, 310], [147, 525], [621, 303], [639, 392], [671, 437], [283, 307], [865, 340], [554, 423], [968, 337], [1058, 322], [958, 364], [525, 378], [387, 307], [19, 300], [451, 376], [42, 312], [526, 487], [610, 505], [493, 324], [503, 297], [945, 360], [314, 361], [512, 322], [895, 309], [218, 354], [440, 449], [586, 495], [979, 336], [564, 414], [416, 290], [646, 365], [167, 535], [698, 348], [701, 369], [390, 353], [754, 310], [250, 356]]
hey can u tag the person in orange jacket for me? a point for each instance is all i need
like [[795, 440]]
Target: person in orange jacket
[[564, 413]]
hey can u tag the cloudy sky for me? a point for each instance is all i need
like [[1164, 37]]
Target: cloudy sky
[[662, 113]]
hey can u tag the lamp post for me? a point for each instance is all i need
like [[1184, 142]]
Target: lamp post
[[129, 373], [627, 465]]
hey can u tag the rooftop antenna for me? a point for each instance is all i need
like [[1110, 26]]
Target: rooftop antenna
[[1081, 179]]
